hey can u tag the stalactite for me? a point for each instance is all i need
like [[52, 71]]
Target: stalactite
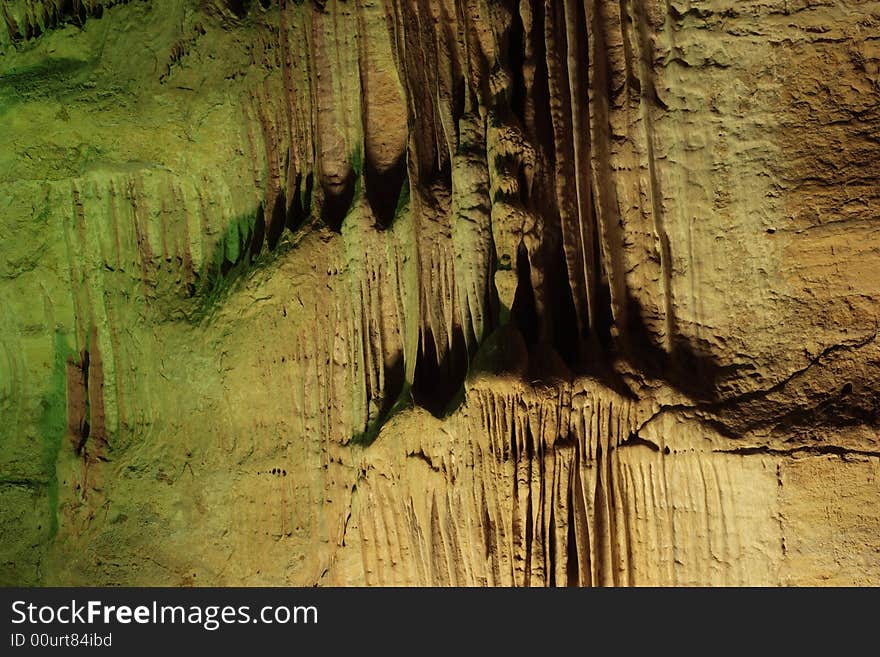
[[440, 292]]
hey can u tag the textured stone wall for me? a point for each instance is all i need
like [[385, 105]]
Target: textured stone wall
[[440, 292]]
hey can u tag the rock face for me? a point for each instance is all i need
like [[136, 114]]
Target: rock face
[[440, 292]]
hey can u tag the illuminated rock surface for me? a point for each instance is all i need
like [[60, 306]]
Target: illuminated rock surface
[[439, 292]]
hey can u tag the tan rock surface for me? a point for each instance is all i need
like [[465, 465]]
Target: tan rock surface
[[459, 292]]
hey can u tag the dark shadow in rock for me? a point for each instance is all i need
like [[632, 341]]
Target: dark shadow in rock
[[516, 55], [239, 7], [395, 379], [277, 221], [436, 382], [337, 201], [694, 373], [259, 232], [560, 306], [540, 92], [383, 189], [523, 312], [300, 207]]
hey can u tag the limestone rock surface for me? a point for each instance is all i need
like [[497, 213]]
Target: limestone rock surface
[[440, 292]]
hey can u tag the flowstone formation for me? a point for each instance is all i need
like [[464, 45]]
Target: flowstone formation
[[440, 292]]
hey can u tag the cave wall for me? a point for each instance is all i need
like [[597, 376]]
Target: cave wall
[[440, 292]]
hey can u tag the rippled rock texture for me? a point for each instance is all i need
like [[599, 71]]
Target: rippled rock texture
[[440, 292]]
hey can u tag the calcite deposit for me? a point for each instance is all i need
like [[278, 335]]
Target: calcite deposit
[[440, 292]]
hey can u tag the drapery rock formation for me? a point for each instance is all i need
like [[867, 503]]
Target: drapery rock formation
[[440, 292]]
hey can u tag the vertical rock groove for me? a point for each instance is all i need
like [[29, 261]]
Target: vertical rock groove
[[439, 292]]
